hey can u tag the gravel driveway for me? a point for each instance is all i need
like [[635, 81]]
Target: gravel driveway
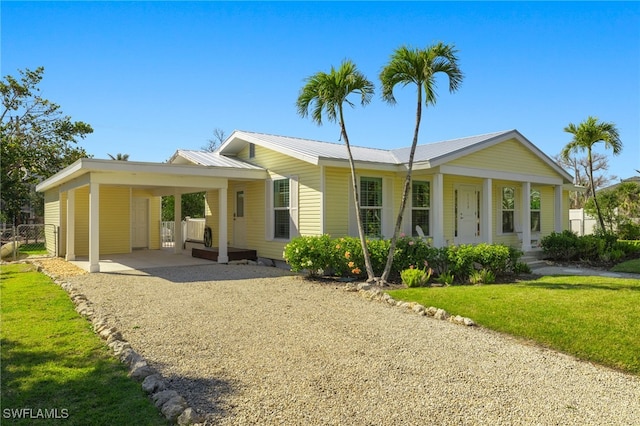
[[255, 345]]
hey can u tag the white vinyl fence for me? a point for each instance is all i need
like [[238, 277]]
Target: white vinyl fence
[[192, 230]]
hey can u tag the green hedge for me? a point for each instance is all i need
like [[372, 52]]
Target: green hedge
[[342, 257], [602, 247]]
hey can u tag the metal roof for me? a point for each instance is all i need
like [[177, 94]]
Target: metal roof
[[214, 159]]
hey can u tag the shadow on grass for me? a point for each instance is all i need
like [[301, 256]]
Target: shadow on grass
[[93, 390], [581, 286]]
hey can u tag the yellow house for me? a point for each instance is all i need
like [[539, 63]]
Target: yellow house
[[263, 190]]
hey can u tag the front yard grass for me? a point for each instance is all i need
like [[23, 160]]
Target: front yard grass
[[53, 362], [593, 318], [632, 266]]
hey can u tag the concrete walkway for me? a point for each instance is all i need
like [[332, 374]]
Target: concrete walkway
[[545, 269], [142, 260]]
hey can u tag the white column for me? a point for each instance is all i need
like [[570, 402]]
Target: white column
[[223, 256], [71, 225], [486, 225], [525, 220], [177, 217], [558, 208], [437, 230], [94, 227]]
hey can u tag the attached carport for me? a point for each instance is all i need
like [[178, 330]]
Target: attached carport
[[159, 179]]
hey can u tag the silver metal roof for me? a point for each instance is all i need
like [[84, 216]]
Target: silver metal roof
[[205, 158]]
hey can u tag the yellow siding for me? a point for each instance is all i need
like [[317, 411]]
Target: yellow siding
[[51, 220], [82, 221], [508, 156], [115, 222], [337, 187]]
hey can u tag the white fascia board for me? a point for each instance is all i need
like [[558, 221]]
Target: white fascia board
[[63, 175], [500, 175]]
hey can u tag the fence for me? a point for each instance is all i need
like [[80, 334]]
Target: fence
[[29, 240], [192, 230], [582, 223]]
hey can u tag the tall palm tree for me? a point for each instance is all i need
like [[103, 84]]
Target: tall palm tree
[[585, 136], [326, 93], [119, 157], [420, 67]]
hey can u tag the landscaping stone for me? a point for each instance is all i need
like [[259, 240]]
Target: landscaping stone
[[153, 384], [160, 398], [441, 314], [173, 408], [189, 417]]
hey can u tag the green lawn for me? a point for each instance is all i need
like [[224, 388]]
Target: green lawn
[[593, 318], [51, 360], [632, 266]]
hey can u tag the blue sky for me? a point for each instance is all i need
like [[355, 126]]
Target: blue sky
[[152, 77]]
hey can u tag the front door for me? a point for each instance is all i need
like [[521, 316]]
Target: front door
[[239, 224], [139, 223], [468, 219]]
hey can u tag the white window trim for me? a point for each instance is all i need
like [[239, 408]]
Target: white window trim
[[532, 210], [387, 213], [516, 217], [412, 208], [293, 208]]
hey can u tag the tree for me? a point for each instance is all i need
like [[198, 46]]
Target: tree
[[218, 137], [192, 205], [119, 157], [37, 140], [585, 136], [326, 93], [580, 169], [420, 67]]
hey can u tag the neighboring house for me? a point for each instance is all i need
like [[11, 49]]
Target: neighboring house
[[263, 190]]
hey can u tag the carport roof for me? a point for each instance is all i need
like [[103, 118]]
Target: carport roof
[[164, 178]]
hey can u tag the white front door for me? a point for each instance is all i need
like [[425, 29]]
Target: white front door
[[139, 223], [468, 220], [239, 224]]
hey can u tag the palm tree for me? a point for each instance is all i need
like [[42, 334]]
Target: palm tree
[[420, 67], [119, 157], [326, 93], [585, 136]]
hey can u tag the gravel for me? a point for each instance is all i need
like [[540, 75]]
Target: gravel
[[256, 345]]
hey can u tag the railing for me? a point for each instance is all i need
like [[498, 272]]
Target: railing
[[192, 230]]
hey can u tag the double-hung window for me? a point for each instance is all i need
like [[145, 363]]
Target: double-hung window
[[281, 217], [508, 209], [371, 205], [420, 206], [535, 210]]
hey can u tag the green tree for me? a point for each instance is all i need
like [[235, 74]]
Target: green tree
[[326, 93], [585, 136], [418, 67], [37, 140], [619, 206], [192, 205], [119, 157]]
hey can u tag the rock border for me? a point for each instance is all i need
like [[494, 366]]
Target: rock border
[[172, 405], [374, 293]]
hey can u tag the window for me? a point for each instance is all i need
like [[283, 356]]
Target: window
[[420, 204], [371, 206], [535, 210], [508, 209], [281, 209]]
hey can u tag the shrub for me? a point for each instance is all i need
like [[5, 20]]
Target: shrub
[[312, 254], [560, 246], [446, 278], [414, 277], [483, 276], [496, 258], [629, 231], [410, 251]]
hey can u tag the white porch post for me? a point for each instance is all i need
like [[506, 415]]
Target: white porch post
[[94, 227], [71, 225], [486, 227], [525, 220], [223, 256], [558, 208], [438, 210], [177, 224]]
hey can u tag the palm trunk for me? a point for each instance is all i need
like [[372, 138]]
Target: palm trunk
[[593, 193], [356, 199], [405, 192]]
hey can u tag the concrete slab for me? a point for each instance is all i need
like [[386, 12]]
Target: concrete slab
[[142, 260]]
